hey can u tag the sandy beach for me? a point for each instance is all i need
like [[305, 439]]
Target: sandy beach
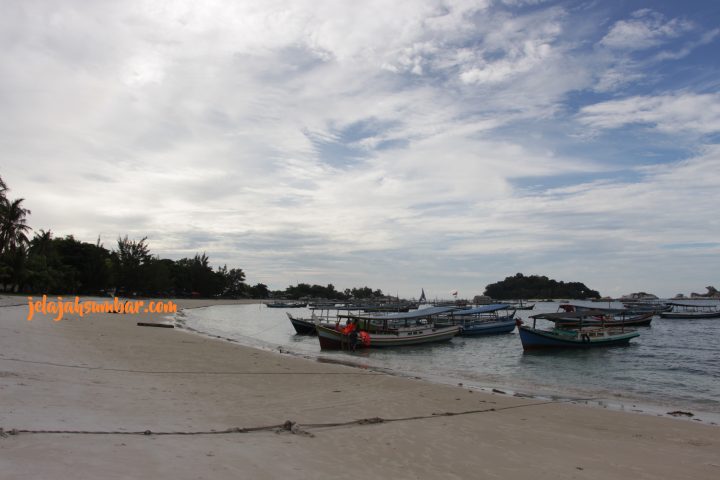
[[215, 409]]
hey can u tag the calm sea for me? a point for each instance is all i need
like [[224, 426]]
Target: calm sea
[[673, 365]]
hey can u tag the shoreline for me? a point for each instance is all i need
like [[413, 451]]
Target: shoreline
[[589, 399], [222, 406]]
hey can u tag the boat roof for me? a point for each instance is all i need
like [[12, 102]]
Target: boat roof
[[421, 313], [553, 317], [484, 309], [583, 309]]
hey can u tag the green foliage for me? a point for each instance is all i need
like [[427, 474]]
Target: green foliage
[[534, 286], [302, 290], [259, 290], [13, 241]]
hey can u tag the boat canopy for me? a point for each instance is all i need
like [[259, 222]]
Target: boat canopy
[[484, 309], [555, 317], [421, 313], [583, 309], [692, 305]]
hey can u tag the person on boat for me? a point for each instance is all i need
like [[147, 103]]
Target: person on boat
[[350, 326], [353, 339]]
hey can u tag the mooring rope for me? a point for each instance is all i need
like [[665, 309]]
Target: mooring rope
[[178, 372], [287, 426]]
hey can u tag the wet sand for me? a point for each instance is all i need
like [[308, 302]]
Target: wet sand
[[104, 374]]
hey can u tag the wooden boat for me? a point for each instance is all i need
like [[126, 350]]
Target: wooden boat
[[391, 330], [306, 326], [647, 306], [303, 326], [609, 317], [286, 305], [583, 337], [688, 311], [484, 320], [519, 305]]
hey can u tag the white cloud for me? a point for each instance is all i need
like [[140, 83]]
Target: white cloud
[[645, 30], [323, 137], [687, 112]]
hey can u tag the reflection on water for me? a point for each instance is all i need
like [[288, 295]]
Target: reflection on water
[[674, 363]]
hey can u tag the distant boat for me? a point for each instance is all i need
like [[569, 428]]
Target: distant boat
[[688, 311], [484, 320], [647, 306], [582, 337], [609, 317], [519, 305], [286, 305], [391, 330]]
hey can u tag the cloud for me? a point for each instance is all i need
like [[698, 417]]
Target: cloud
[[646, 29], [372, 142], [678, 113]]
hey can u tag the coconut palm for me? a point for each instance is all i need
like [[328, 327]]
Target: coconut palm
[[13, 229]]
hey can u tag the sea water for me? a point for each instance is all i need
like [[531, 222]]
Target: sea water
[[673, 364]]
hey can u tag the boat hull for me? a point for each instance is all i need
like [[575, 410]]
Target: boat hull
[[488, 328], [331, 339], [302, 327], [533, 339], [286, 305], [643, 320], [689, 316]]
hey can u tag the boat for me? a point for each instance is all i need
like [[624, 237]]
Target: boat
[[306, 326], [484, 320], [581, 337], [688, 311], [303, 326], [609, 317], [656, 307], [286, 305], [390, 330], [519, 305]]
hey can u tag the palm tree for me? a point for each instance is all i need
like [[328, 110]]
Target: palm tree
[[13, 229], [3, 189], [42, 242]]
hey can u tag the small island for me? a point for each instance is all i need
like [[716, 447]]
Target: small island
[[520, 286]]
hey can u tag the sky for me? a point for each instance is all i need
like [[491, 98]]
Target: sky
[[401, 145]]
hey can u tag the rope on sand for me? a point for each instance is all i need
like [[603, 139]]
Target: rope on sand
[[287, 426], [178, 372]]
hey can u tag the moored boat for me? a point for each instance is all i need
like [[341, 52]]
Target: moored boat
[[286, 305], [485, 320], [521, 305], [581, 337], [689, 311], [392, 330], [609, 317], [303, 326]]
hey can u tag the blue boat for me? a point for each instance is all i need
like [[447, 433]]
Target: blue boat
[[484, 320], [582, 337]]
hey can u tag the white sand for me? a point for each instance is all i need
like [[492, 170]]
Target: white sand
[[104, 373]]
